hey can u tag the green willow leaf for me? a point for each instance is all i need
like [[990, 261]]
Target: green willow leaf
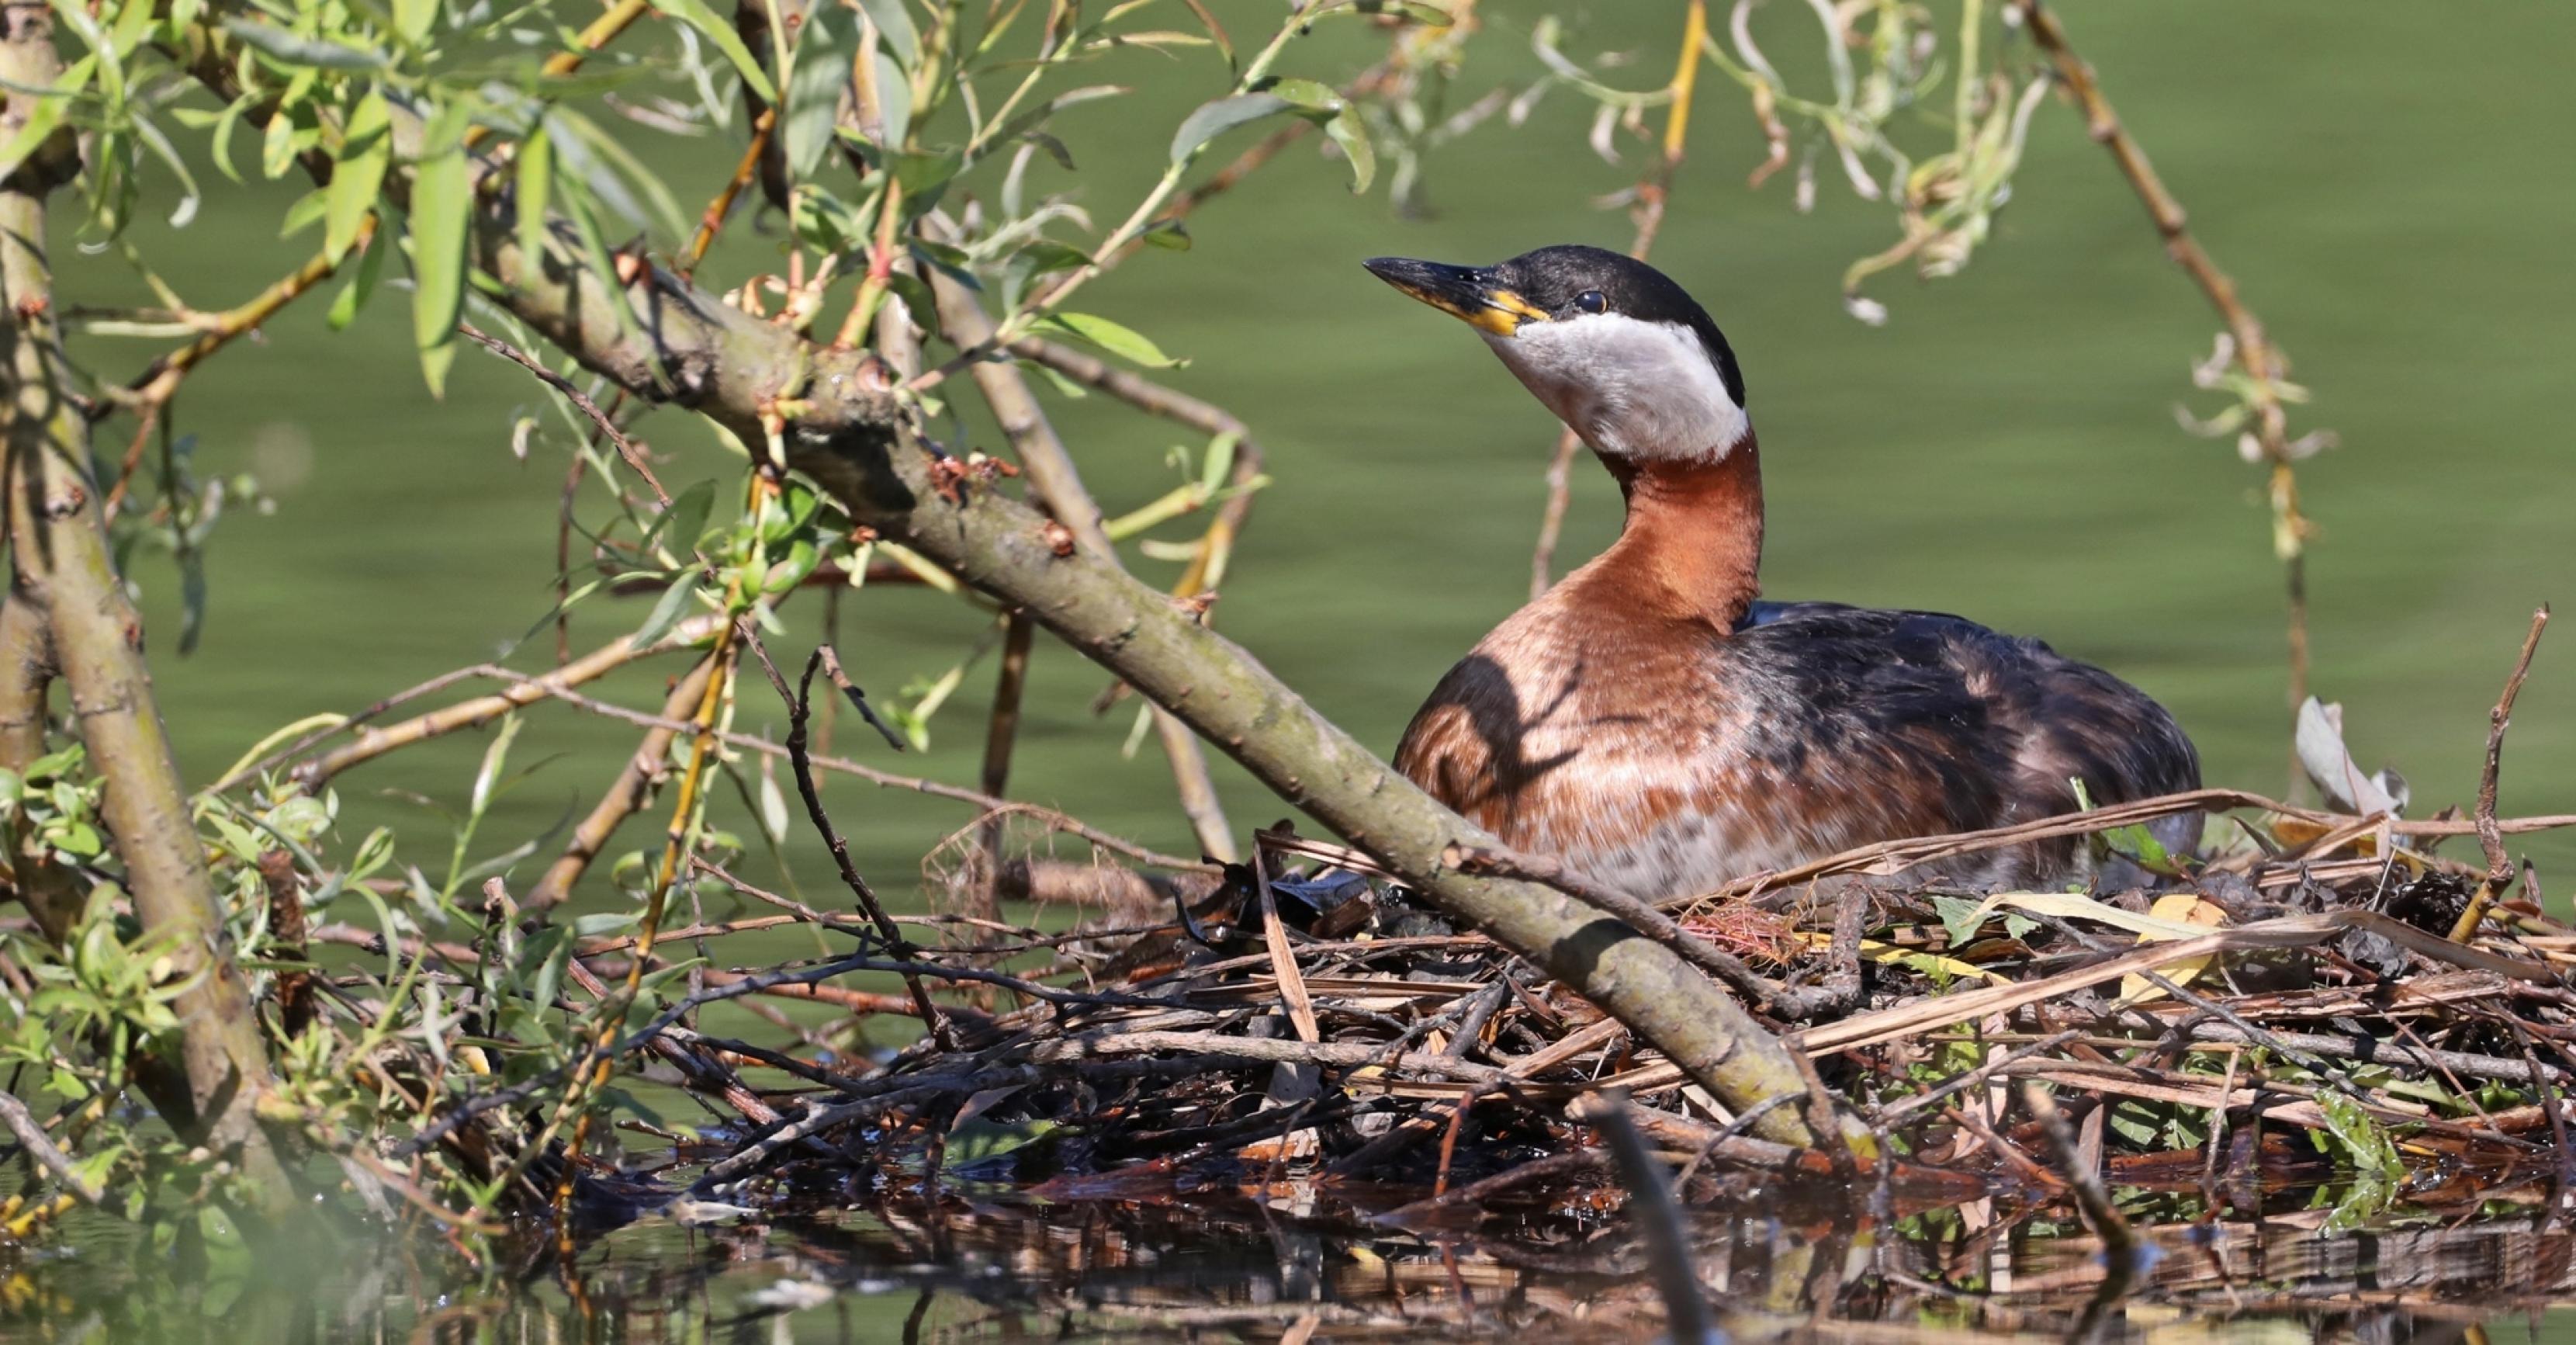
[[894, 99], [667, 612], [714, 28], [413, 18], [290, 49], [1117, 338], [1223, 115], [895, 26], [366, 148], [1348, 132], [362, 286], [818, 73], [1310, 95], [442, 199], [536, 185]]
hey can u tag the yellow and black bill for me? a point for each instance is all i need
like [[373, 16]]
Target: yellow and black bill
[[1466, 292]]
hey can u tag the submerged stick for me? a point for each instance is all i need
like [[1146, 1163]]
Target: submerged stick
[[1659, 1223]]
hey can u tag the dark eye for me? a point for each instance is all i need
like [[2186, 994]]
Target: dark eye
[[1590, 301]]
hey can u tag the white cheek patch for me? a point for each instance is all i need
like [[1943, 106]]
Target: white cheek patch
[[1633, 389]]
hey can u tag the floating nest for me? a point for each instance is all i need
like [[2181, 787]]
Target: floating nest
[[2325, 1004]]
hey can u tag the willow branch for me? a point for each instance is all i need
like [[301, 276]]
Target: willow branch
[[2264, 365], [372, 743], [1058, 484], [682, 346], [58, 543], [27, 672]]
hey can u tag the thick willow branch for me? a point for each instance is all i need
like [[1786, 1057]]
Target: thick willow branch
[[1059, 485], [684, 347], [58, 544]]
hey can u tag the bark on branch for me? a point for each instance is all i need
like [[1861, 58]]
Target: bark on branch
[[681, 346], [58, 547]]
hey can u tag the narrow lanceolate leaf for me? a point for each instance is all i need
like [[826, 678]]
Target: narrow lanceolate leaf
[[1118, 339], [1223, 115], [289, 49], [894, 98], [666, 613], [442, 198], [894, 24], [413, 18], [1216, 30], [713, 28], [818, 73], [359, 175], [362, 286], [1352, 135], [1307, 94], [536, 188]]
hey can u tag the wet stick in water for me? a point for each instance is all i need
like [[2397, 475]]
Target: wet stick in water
[[1659, 1223]]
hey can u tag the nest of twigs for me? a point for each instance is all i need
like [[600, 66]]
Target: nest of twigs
[[2327, 1000]]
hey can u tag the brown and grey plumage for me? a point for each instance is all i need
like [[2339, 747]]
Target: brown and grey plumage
[[1653, 725]]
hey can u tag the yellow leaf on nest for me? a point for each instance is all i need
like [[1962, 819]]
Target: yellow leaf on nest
[[2181, 908]]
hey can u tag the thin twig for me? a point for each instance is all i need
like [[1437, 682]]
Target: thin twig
[[41, 1147], [1659, 1223], [627, 448], [744, 171], [800, 717], [2119, 1244], [1638, 914]]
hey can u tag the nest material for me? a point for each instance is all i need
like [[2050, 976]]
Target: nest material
[[1315, 1027]]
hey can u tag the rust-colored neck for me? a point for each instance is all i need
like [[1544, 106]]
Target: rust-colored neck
[[1692, 545]]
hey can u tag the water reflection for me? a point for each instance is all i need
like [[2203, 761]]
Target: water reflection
[[1292, 1264]]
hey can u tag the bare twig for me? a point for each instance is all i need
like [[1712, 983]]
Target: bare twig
[[800, 714], [40, 1146], [1058, 485], [632, 789], [373, 742], [1001, 735], [2490, 837], [1659, 1223], [626, 446], [2499, 874], [749, 167], [1639, 914], [2119, 1244]]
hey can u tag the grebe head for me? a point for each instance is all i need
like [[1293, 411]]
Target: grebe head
[[1617, 350]]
